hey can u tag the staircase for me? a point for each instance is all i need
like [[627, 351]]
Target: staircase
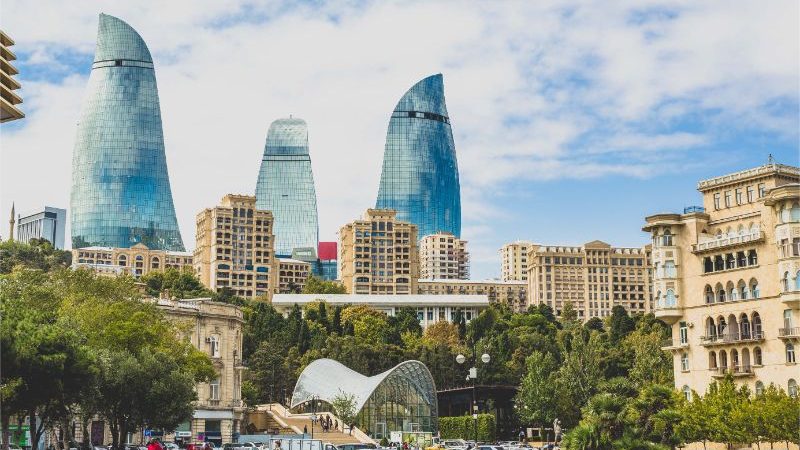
[[297, 422]]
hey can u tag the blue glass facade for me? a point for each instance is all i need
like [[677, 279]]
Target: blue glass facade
[[120, 187], [286, 187], [420, 172]]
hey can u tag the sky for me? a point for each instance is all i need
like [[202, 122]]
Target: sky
[[573, 120]]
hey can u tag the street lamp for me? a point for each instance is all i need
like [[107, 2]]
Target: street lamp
[[473, 375]]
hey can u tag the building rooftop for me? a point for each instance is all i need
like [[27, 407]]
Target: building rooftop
[[451, 281], [756, 172]]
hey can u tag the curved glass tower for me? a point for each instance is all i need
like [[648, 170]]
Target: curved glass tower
[[286, 187], [120, 187], [420, 172]]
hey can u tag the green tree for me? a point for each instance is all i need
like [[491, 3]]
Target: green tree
[[38, 254], [620, 324], [177, 283], [536, 395], [315, 285], [649, 364], [344, 405]]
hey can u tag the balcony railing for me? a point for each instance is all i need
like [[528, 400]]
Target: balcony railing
[[742, 370], [790, 332], [673, 343], [728, 241], [732, 338]]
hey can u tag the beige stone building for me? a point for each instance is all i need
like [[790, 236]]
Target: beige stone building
[[292, 275], [443, 256], [8, 98], [136, 261], [514, 261], [378, 255], [511, 293], [727, 279], [594, 277], [235, 248]]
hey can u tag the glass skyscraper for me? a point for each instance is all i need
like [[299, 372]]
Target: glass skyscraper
[[420, 172], [120, 187], [286, 187]]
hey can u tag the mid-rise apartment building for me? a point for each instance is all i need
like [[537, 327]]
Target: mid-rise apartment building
[[727, 279], [593, 277], [511, 293], [292, 275], [8, 84], [514, 261], [234, 248], [48, 224], [378, 254], [136, 261], [443, 256]]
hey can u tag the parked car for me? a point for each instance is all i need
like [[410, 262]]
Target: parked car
[[329, 446], [455, 444], [356, 446], [171, 446]]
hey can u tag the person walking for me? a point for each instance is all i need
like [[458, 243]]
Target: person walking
[[305, 431], [151, 445]]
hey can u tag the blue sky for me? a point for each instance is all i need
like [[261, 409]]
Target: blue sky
[[572, 120]]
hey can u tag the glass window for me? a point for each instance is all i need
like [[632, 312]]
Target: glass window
[[717, 201], [685, 362], [213, 390], [759, 388], [762, 190], [750, 194], [792, 385], [727, 199], [790, 356]]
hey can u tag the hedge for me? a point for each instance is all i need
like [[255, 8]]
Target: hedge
[[463, 427]]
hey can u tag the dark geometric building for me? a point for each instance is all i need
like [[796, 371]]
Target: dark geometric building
[[120, 186], [286, 187], [420, 171]]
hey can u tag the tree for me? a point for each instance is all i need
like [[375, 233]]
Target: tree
[[344, 405], [316, 285], [176, 283], [536, 395], [619, 324], [649, 363], [37, 254], [568, 314]]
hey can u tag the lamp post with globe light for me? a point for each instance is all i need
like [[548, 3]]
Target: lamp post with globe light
[[473, 375]]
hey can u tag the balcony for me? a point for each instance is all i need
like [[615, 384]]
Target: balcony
[[674, 344], [668, 311], [239, 364], [791, 299], [731, 338], [789, 333], [736, 371], [727, 241]]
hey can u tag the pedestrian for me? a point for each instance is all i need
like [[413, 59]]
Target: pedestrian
[[305, 431], [335, 424], [151, 445], [521, 436]]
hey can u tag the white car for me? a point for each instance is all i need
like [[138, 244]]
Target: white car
[[455, 444]]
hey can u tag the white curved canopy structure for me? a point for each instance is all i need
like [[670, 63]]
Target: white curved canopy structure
[[399, 398]]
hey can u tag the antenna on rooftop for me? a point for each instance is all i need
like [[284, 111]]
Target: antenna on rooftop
[[770, 160]]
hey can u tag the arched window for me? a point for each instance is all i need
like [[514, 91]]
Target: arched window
[[708, 265], [685, 362], [757, 361], [666, 239], [155, 263], [754, 288], [734, 359], [746, 360], [733, 294], [730, 261], [213, 346], [741, 259], [752, 258], [790, 356], [744, 326], [792, 391], [670, 298], [756, 325], [720, 293], [712, 360], [122, 260], [759, 388], [721, 326], [709, 294], [659, 300], [744, 291], [723, 360], [669, 269], [687, 393], [785, 282], [719, 263]]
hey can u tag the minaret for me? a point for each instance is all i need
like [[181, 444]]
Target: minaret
[[11, 223]]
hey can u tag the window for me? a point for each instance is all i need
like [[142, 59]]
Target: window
[[790, 357], [727, 199], [716, 200], [762, 190], [712, 361], [670, 301], [685, 362], [213, 390], [738, 196], [759, 388], [684, 333], [669, 269], [787, 318], [785, 282], [754, 289], [213, 342], [709, 294], [792, 388], [666, 239], [797, 281], [687, 393], [757, 356], [750, 194]]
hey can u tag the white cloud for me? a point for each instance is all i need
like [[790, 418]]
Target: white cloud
[[535, 90]]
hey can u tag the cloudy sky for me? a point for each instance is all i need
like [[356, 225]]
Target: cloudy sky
[[572, 120]]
